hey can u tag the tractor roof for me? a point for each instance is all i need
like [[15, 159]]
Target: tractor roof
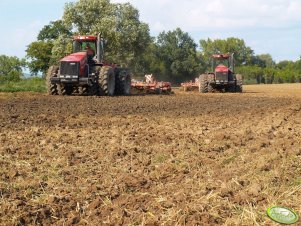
[[85, 38], [221, 56]]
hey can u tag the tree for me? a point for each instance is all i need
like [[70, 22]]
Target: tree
[[11, 68], [243, 54], [251, 73], [62, 46], [39, 53], [288, 71], [53, 31], [118, 23], [263, 60], [177, 51]]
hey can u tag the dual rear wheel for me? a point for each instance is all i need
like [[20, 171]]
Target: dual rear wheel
[[109, 83], [206, 87], [114, 83]]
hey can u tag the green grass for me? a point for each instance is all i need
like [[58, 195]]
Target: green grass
[[29, 84]]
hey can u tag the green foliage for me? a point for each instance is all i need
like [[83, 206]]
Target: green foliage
[[250, 73], [243, 53], [62, 46], [286, 72], [284, 64], [118, 23], [10, 68], [53, 31], [171, 56], [263, 60], [287, 76], [34, 84], [177, 52], [39, 55]]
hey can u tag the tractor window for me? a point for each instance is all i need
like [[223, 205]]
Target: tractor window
[[82, 46], [76, 46], [91, 44], [217, 62]]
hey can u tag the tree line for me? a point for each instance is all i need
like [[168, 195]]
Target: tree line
[[172, 55]]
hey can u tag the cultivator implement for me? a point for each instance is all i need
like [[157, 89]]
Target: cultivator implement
[[151, 86], [190, 86]]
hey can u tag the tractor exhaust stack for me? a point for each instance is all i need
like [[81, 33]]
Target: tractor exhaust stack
[[100, 49]]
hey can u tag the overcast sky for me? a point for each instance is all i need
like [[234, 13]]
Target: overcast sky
[[267, 26]]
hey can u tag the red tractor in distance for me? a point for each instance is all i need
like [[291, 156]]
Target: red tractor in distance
[[85, 72], [223, 77]]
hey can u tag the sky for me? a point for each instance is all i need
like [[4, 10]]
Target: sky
[[267, 26]]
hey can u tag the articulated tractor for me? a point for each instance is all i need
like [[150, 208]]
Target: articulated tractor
[[222, 77], [85, 71]]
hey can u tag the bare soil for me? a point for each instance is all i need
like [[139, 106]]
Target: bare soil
[[186, 158]]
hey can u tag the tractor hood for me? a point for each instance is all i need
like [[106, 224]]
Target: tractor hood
[[77, 61], [221, 68], [75, 57]]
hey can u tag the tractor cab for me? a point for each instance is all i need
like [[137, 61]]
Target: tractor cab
[[92, 45], [222, 76], [223, 62], [81, 43], [87, 44], [223, 68]]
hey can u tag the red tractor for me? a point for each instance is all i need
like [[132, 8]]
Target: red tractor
[[223, 78], [87, 73]]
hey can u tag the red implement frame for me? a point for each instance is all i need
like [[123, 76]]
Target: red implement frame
[[151, 86], [190, 86]]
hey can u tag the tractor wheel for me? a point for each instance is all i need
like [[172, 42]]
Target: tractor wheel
[[93, 90], [83, 90], [106, 81], [123, 82], [88, 90], [210, 88], [75, 90], [238, 86], [64, 89], [203, 83], [52, 88], [230, 88]]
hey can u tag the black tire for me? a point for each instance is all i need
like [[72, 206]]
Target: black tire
[[83, 90], [231, 88], [210, 88], [75, 90], [238, 86], [203, 83], [106, 81], [64, 89], [122, 82], [52, 88], [93, 90]]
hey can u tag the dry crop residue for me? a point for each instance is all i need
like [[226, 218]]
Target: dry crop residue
[[187, 158]]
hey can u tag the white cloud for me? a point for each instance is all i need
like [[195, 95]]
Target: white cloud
[[227, 14], [271, 26], [215, 7], [267, 26]]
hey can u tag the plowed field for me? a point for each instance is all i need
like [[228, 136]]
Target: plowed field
[[186, 158]]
